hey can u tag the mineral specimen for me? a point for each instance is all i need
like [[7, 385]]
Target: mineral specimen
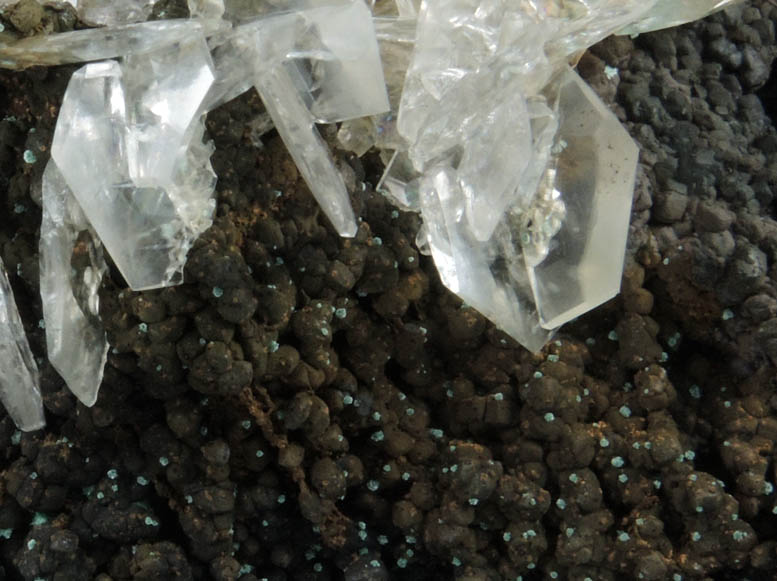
[[522, 176], [19, 390]]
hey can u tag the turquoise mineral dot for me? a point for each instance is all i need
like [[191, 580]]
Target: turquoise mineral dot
[[29, 156]]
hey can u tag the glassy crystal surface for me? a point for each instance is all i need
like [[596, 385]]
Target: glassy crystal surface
[[594, 176], [141, 125], [71, 269], [166, 89], [332, 55], [296, 127], [19, 382], [400, 182]]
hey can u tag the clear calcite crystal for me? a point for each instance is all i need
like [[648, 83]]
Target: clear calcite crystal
[[19, 382], [101, 43], [296, 127], [318, 64], [562, 254], [581, 262], [400, 182], [128, 142], [71, 268], [513, 198]]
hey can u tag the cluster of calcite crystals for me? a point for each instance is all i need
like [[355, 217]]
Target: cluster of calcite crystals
[[521, 174], [129, 171]]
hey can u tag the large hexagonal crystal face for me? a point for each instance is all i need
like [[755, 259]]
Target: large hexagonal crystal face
[[594, 176], [559, 255]]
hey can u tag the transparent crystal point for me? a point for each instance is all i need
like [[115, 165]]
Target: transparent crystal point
[[489, 276], [71, 269], [316, 64], [296, 127], [19, 381], [594, 176]]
